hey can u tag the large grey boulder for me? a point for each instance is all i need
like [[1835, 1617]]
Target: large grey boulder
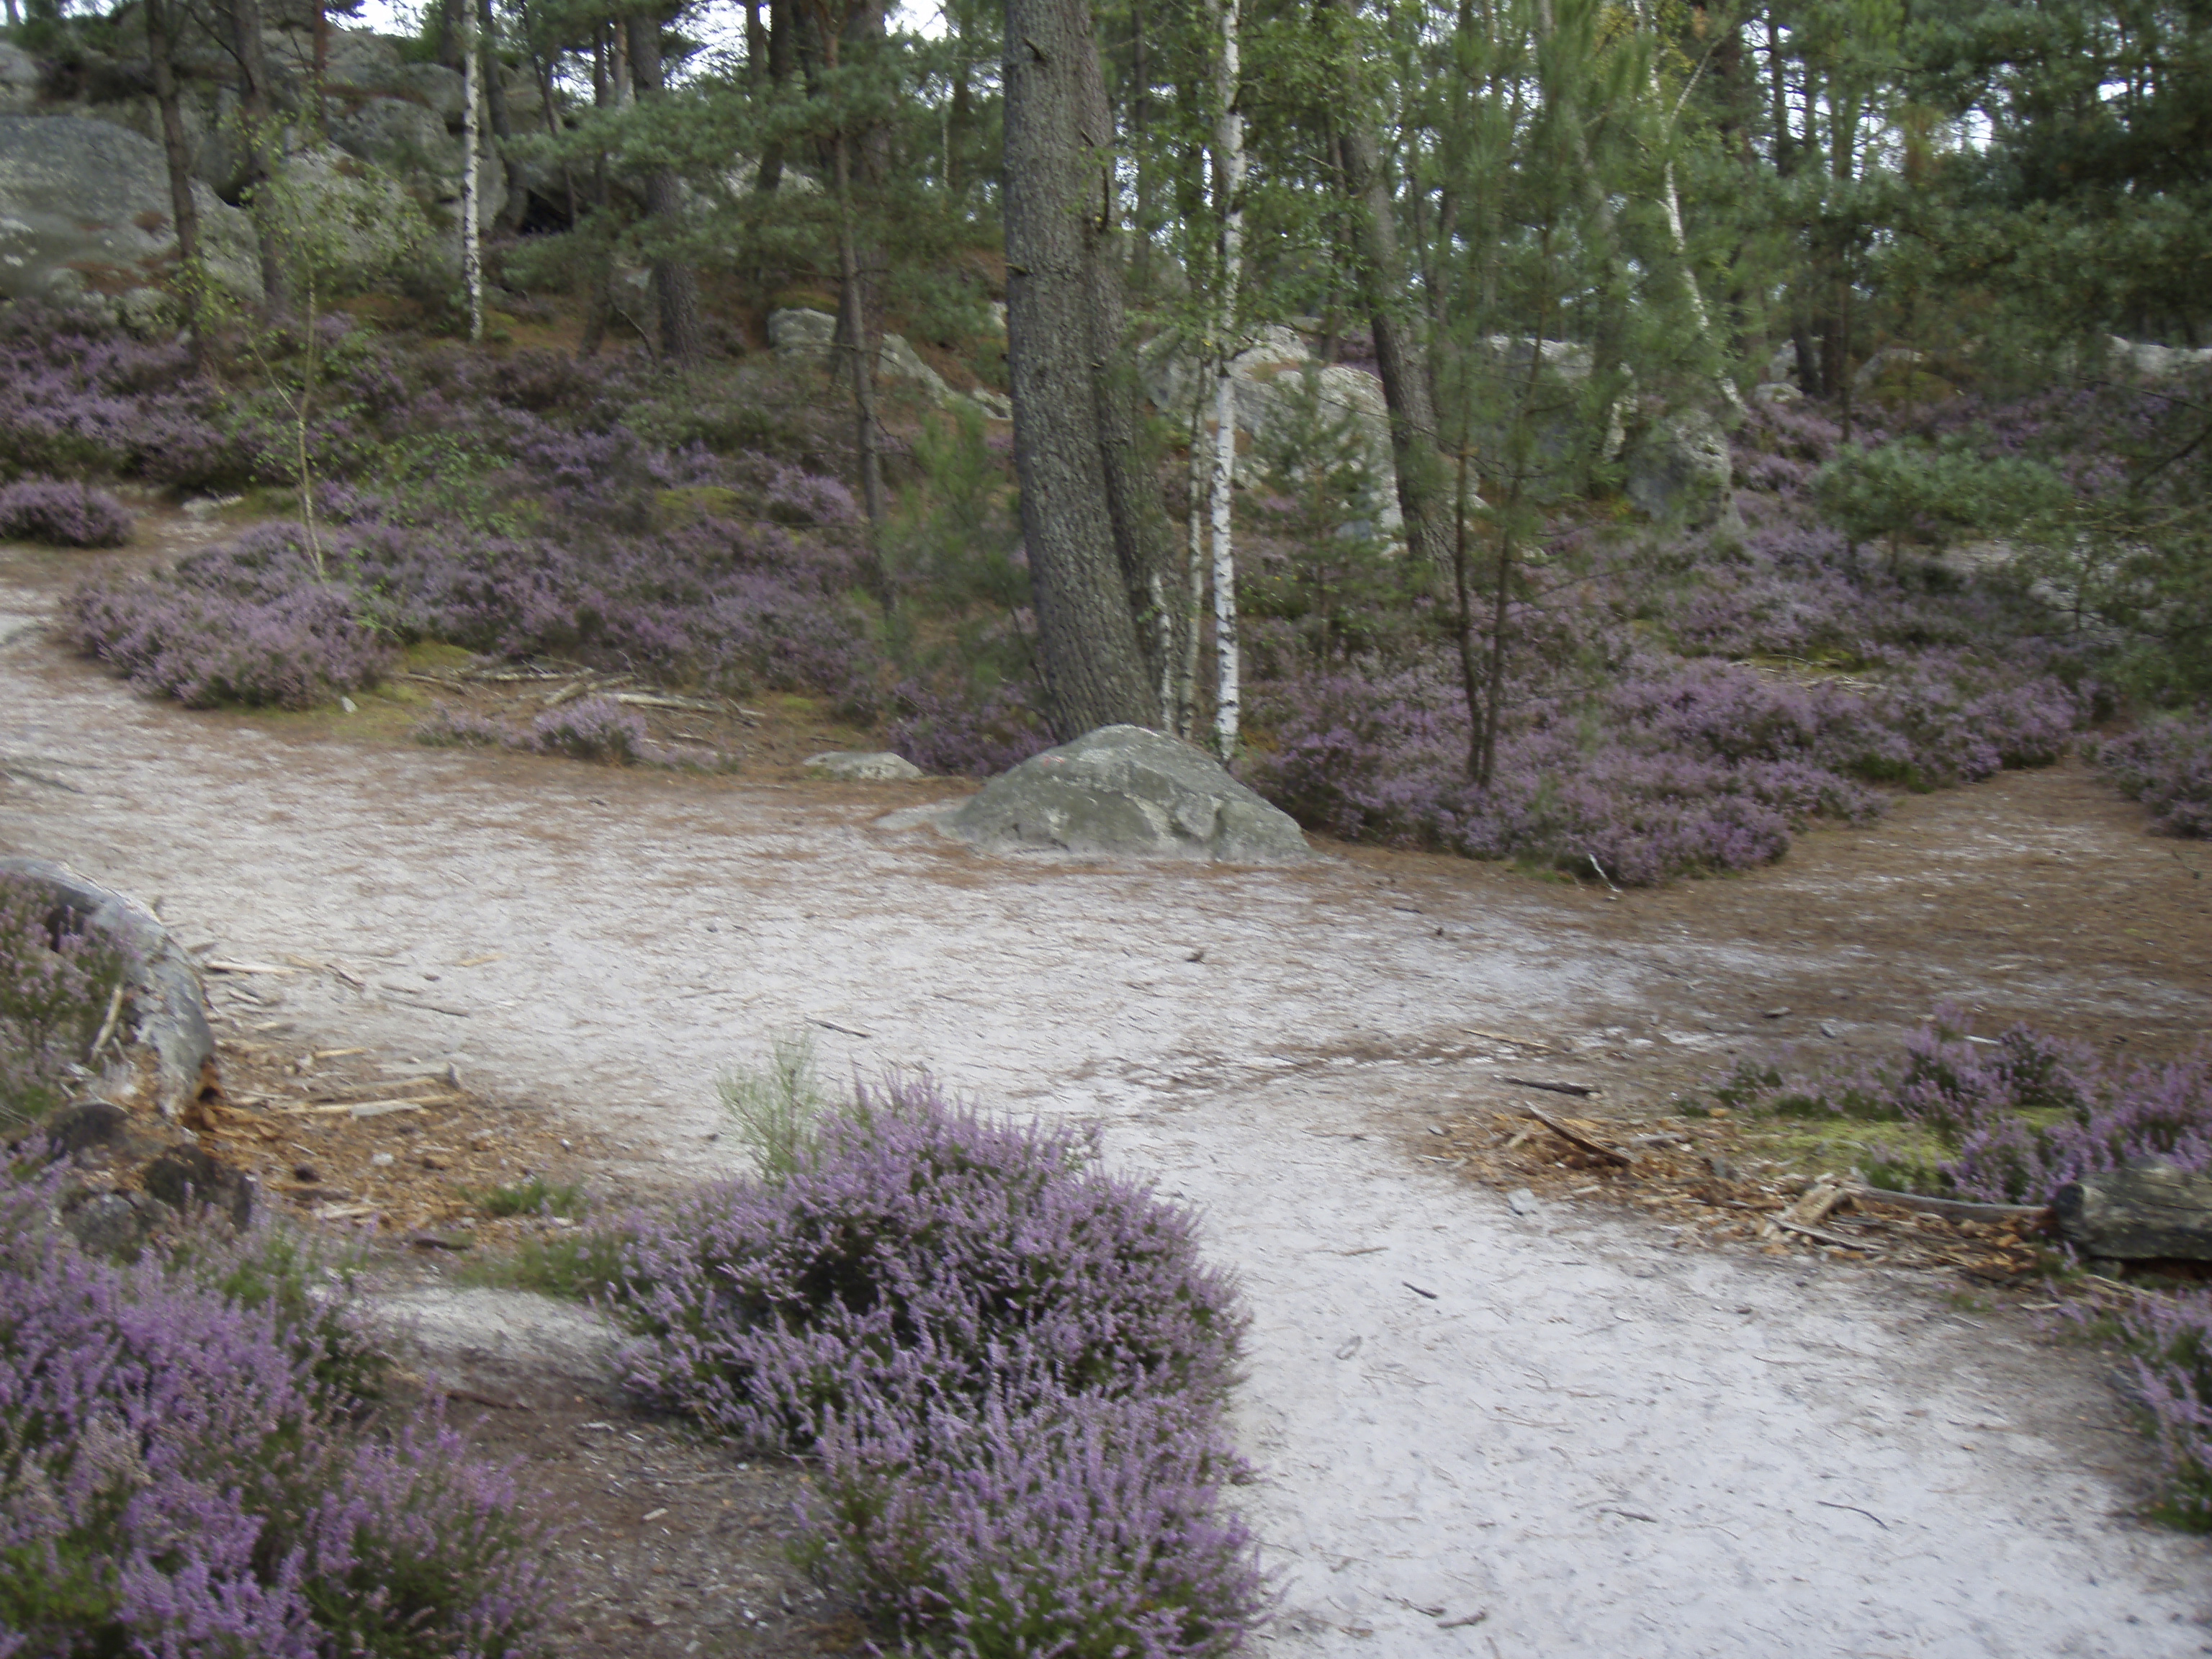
[[808, 336], [19, 80], [1125, 789], [172, 1040], [1680, 470], [84, 219]]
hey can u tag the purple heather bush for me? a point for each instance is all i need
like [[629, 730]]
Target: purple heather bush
[[591, 728], [1012, 1365], [179, 1483], [55, 980], [2166, 1375], [62, 514], [2167, 766], [2016, 1117]]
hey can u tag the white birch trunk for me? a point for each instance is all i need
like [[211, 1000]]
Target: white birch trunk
[[471, 205], [1229, 181], [1186, 714], [1672, 202]]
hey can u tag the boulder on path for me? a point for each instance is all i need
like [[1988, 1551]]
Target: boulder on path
[[881, 766], [84, 217], [1125, 789], [2147, 1212]]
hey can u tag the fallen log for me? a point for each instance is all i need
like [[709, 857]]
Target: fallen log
[[2035, 1217]]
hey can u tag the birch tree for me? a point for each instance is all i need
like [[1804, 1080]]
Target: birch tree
[[1228, 188]]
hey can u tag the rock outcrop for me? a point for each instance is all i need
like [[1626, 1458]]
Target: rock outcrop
[[2147, 1212], [1125, 789], [84, 219], [806, 335]]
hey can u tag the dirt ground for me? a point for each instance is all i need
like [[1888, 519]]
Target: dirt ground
[[1602, 1430]]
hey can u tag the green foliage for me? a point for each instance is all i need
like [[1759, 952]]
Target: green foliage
[[532, 1195], [1933, 492], [773, 1109]]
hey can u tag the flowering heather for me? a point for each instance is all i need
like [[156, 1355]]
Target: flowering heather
[[591, 728], [2167, 767], [2017, 1117], [176, 1483], [2168, 1377], [62, 514], [1012, 1365], [55, 982]]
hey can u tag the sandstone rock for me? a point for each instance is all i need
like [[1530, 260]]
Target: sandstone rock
[[371, 228], [882, 767], [84, 218], [2157, 362], [109, 1224], [189, 1176], [19, 80], [168, 1004], [1125, 789], [1680, 470], [801, 333], [2147, 1212]]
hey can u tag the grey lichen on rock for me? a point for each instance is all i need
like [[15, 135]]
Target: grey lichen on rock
[[84, 218], [1125, 789]]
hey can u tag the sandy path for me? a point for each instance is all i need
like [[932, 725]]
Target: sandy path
[[1611, 1447]]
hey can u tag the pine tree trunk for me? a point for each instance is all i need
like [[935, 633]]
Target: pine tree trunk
[[1397, 353], [675, 286], [1064, 347], [779, 76], [183, 210], [259, 114]]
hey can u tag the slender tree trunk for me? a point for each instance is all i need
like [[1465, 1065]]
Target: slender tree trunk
[[183, 210], [1065, 350], [866, 446], [602, 300], [1186, 702], [1229, 184], [1398, 352], [756, 48], [471, 184], [257, 109], [675, 286], [780, 58]]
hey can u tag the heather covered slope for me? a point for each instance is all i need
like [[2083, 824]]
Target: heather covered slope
[[1665, 702]]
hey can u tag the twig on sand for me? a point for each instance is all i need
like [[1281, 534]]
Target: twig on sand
[[1580, 1090], [1855, 1509], [842, 1030], [1574, 1138], [1820, 1238]]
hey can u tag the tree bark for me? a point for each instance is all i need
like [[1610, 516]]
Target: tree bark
[[183, 210], [1084, 491], [471, 185], [779, 44], [1229, 183], [1397, 353], [675, 285], [257, 107]]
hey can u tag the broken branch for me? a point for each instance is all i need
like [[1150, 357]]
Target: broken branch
[[1574, 1138]]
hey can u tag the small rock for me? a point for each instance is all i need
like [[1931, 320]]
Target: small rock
[[1830, 1030], [89, 1123], [1774, 1013], [1522, 1201], [306, 1172], [436, 1161], [382, 1161], [189, 1175], [107, 1225], [882, 767]]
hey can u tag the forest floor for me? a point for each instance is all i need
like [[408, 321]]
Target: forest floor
[[1590, 1422]]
